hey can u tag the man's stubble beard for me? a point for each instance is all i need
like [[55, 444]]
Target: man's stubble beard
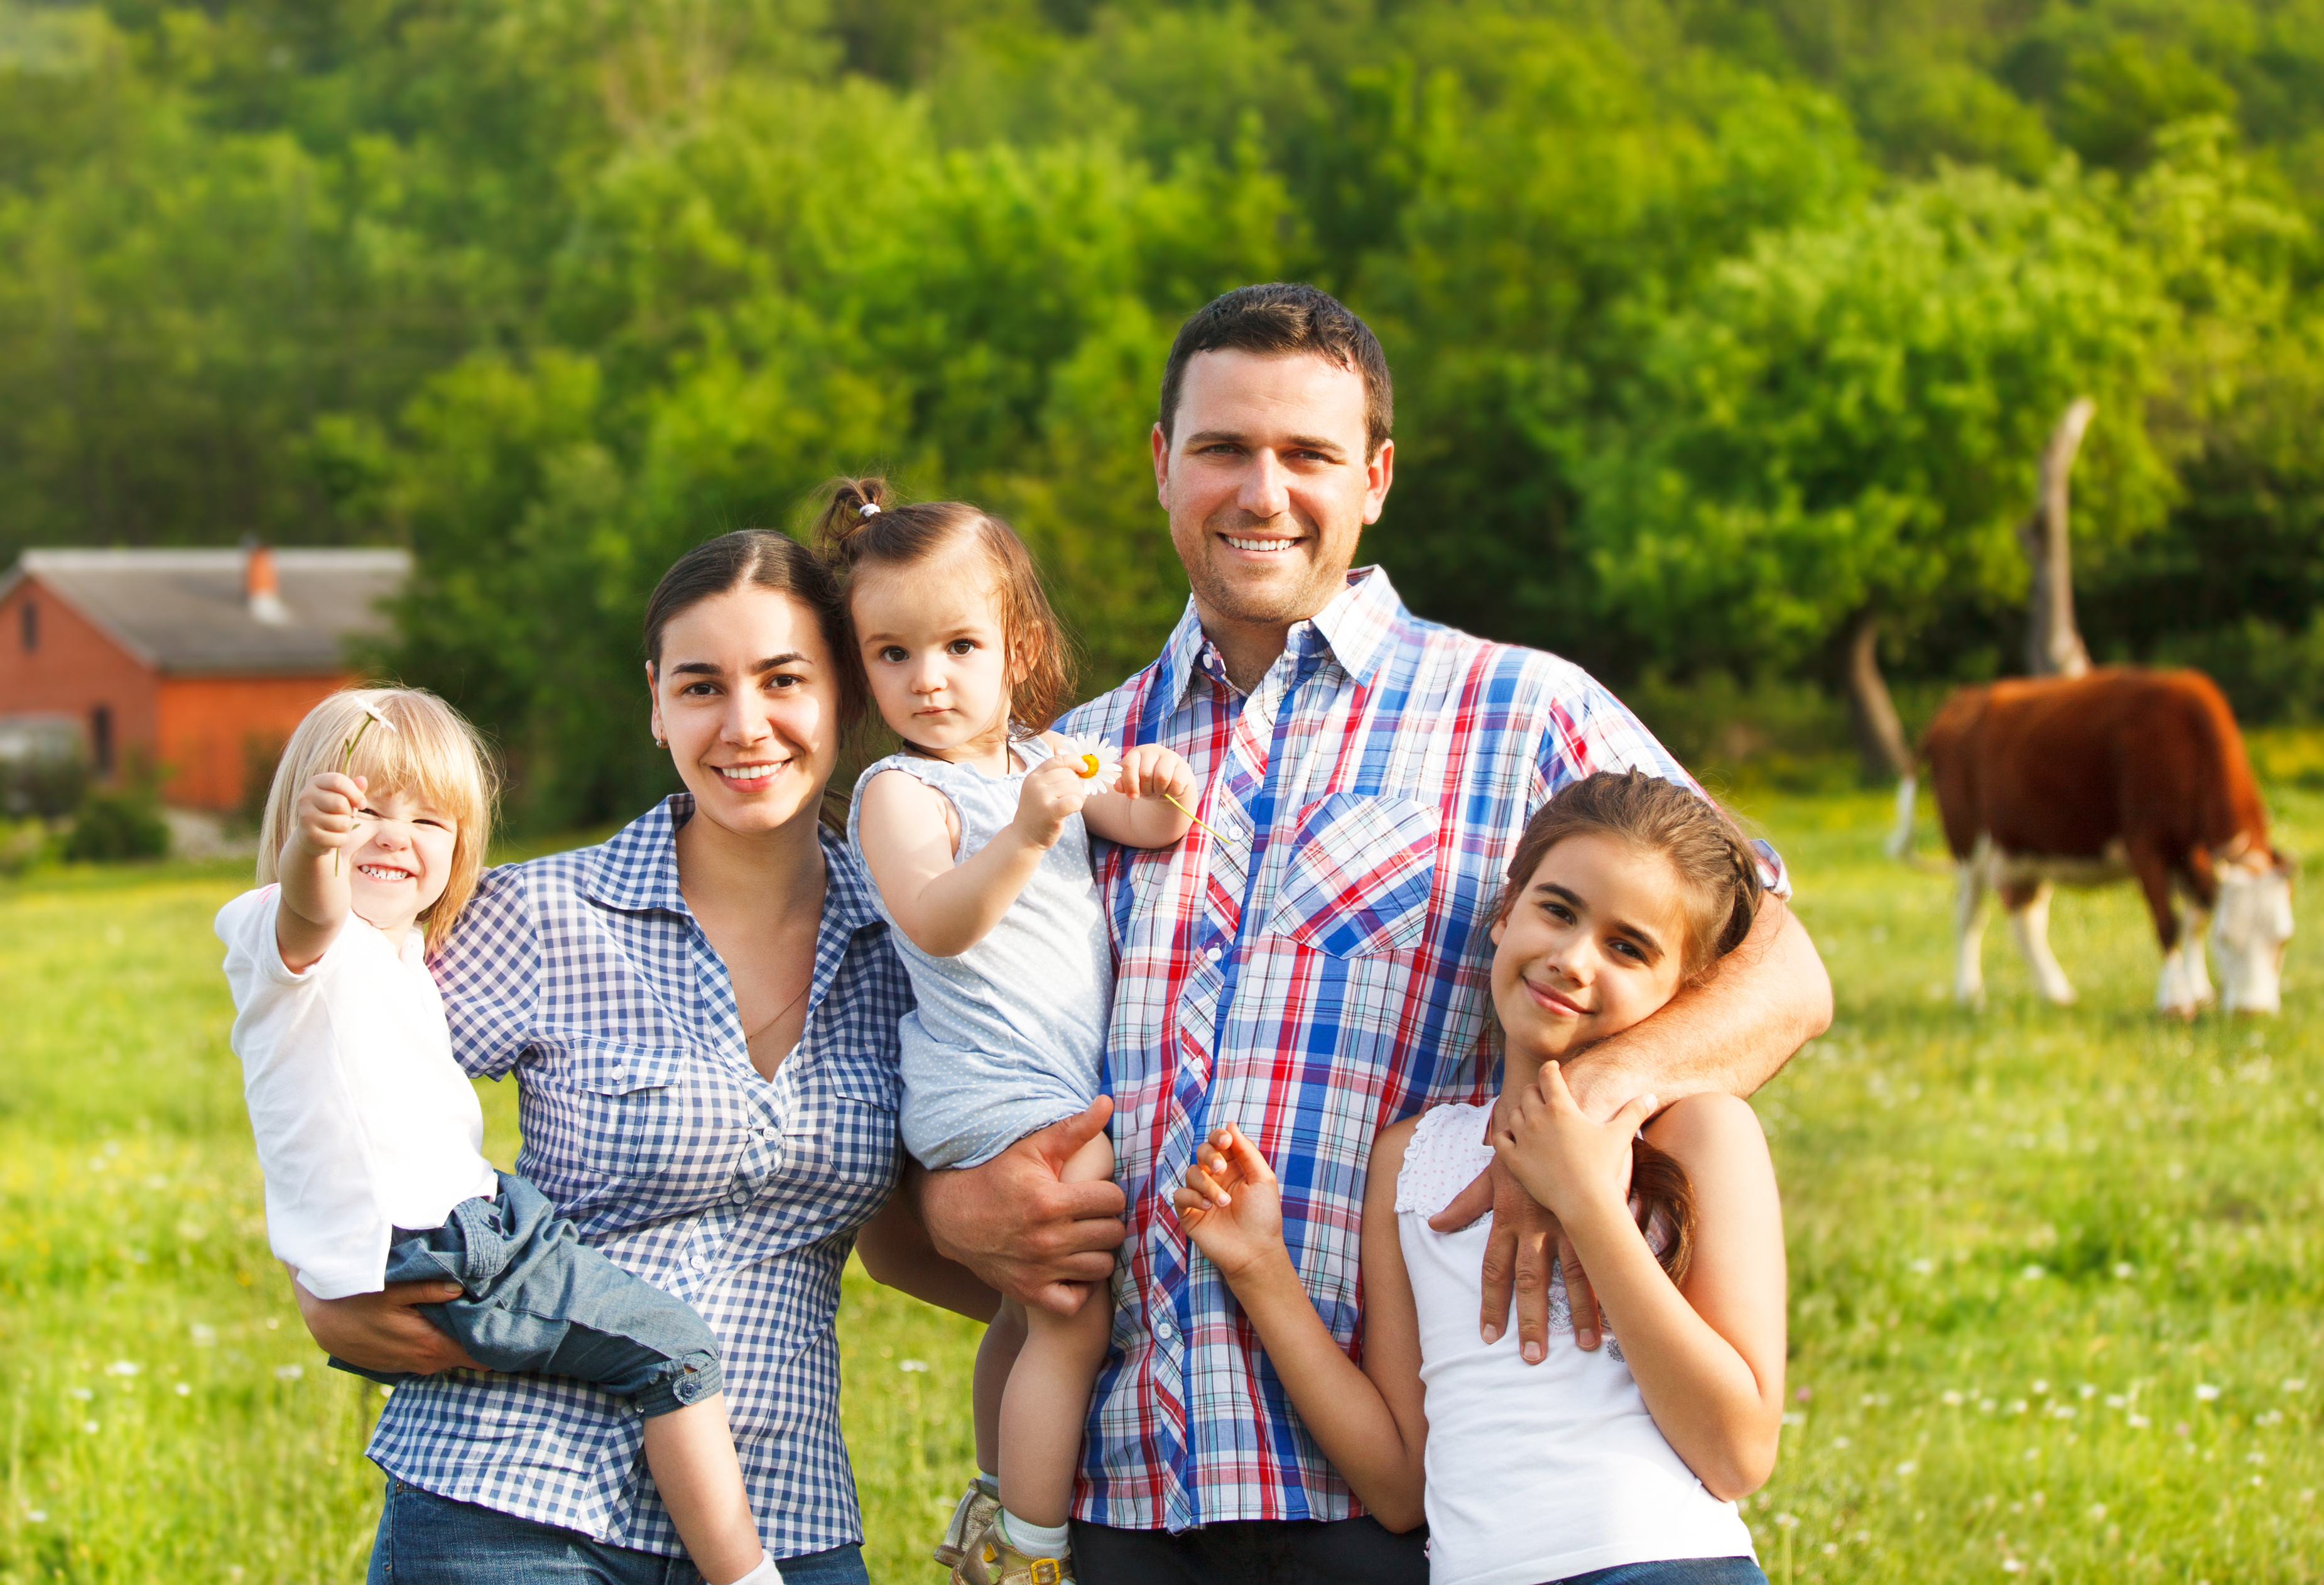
[[1279, 601]]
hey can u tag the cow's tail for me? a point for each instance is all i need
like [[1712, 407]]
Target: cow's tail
[[1900, 841]]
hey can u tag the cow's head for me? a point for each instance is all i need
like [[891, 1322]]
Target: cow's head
[[2252, 922]]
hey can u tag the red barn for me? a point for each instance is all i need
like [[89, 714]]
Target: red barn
[[191, 660]]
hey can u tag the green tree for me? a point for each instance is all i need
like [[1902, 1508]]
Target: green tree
[[1842, 427]]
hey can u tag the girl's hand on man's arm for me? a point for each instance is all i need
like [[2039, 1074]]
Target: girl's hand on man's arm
[[1573, 1165], [1731, 1036]]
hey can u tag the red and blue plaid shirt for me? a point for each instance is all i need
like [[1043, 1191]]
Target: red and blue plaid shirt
[[1313, 974]]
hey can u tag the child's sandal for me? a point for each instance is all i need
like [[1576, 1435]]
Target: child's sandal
[[994, 1561], [979, 1507]]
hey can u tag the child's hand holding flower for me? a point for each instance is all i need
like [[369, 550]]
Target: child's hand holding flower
[[1231, 1206], [1054, 792], [328, 813], [1570, 1164]]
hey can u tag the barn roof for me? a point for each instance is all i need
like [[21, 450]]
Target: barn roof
[[186, 611]]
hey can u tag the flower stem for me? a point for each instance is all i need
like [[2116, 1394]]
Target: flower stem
[[347, 758], [1190, 814]]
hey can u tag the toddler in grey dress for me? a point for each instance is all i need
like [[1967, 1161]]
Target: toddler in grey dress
[[977, 838]]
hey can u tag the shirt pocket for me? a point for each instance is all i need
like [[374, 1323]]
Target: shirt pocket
[[841, 1138], [1358, 881], [655, 1123]]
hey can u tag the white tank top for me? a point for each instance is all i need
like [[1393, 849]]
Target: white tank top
[[1535, 1471]]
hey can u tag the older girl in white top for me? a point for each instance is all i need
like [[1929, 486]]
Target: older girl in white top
[[1621, 1465], [370, 1135]]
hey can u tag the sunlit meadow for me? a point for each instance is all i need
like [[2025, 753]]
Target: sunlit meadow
[[2057, 1305]]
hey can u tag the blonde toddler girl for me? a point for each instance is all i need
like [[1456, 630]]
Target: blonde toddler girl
[[370, 1135]]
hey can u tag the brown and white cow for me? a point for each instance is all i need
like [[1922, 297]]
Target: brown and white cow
[[2118, 772]]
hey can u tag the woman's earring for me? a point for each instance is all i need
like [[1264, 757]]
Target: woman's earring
[[661, 742]]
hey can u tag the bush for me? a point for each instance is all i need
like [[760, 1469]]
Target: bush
[[2270, 676], [23, 844], [118, 826]]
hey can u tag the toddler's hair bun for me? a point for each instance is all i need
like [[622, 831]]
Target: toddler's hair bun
[[853, 504]]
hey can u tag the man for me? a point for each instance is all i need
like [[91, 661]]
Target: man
[[1314, 971]]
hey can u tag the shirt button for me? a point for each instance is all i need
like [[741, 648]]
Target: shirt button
[[1162, 1332], [1214, 954], [741, 1196], [699, 1262], [767, 1133]]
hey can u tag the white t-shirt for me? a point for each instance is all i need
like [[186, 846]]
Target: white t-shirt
[[363, 1121], [1535, 1471]]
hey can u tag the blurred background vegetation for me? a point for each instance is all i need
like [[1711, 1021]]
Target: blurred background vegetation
[[1721, 328]]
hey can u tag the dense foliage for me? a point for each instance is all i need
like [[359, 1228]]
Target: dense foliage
[[1717, 323]]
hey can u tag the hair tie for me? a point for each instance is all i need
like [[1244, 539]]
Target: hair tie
[[868, 509]]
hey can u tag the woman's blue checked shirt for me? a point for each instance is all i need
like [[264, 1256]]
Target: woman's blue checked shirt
[[585, 974]]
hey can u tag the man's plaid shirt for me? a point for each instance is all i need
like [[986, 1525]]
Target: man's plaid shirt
[[585, 974], [1316, 973]]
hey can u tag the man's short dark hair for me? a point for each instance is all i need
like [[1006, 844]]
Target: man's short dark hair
[[1272, 321]]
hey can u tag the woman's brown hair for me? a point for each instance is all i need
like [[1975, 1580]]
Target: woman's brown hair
[[1720, 884], [863, 525]]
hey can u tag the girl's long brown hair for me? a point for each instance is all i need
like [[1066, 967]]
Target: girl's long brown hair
[[1719, 878]]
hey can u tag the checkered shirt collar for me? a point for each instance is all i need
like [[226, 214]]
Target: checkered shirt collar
[[1355, 629], [636, 872]]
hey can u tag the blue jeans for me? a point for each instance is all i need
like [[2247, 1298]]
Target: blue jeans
[[1693, 1570], [427, 1540], [538, 1300]]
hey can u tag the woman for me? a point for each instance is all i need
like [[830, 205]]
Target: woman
[[701, 1015]]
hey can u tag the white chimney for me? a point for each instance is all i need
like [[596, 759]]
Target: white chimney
[[261, 585]]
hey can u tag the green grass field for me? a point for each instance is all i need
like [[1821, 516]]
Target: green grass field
[[2057, 1308]]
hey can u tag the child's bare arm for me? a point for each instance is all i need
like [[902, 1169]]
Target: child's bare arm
[[1138, 813], [1709, 1360], [314, 905], [1368, 1421], [908, 831]]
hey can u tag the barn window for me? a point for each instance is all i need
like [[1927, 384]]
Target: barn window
[[100, 738], [28, 624]]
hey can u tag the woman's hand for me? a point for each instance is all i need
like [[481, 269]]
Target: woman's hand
[[383, 1330], [1054, 792], [1574, 1166], [1231, 1206]]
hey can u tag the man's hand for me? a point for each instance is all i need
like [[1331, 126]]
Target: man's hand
[[1015, 1223], [1516, 1262], [382, 1330]]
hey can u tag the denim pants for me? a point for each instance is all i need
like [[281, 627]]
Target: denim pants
[[538, 1300], [427, 1540], [1693, 1570]]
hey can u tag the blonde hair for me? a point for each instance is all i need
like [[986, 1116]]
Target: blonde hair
[[432, 750]]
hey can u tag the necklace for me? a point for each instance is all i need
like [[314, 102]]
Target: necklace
[[752, 1037]]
